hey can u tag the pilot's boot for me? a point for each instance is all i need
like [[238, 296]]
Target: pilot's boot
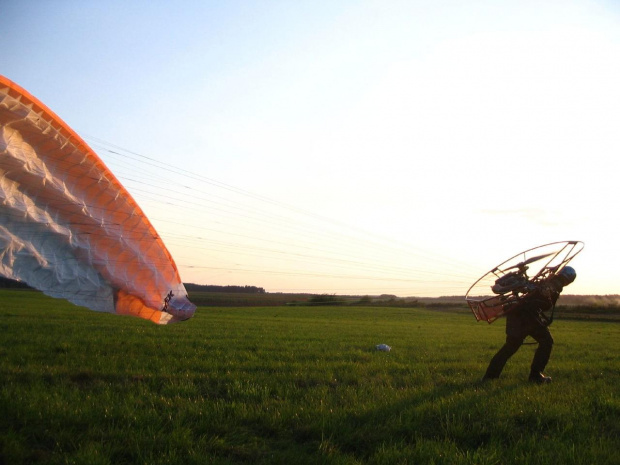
[[538, 377]]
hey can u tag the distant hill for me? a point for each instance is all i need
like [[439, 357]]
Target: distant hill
[[609, 300], [592, 300]]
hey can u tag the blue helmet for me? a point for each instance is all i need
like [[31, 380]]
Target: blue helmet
[[567, 275]]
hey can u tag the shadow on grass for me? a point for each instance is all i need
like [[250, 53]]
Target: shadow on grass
[[446, 413]]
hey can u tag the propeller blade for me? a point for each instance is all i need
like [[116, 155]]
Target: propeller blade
[[529, 260]]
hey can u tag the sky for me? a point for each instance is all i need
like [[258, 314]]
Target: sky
[[344, 147]]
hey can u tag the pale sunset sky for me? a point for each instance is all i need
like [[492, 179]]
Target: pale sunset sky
[[344, 147]]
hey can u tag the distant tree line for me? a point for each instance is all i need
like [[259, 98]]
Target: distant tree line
[[325, 299], [6, 283], [191, 287]]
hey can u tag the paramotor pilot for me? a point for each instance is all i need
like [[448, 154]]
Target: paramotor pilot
[[527, 318]]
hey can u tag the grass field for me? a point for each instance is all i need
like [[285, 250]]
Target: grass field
[[296, 385]]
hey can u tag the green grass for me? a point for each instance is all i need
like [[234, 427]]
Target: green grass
[[296, 385]]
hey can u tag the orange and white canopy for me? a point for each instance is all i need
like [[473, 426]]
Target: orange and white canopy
[[67, 225]]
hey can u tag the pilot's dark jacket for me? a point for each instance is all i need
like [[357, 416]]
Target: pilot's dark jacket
[[527, 319]]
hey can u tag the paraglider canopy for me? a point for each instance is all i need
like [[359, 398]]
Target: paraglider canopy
[[67, 225]]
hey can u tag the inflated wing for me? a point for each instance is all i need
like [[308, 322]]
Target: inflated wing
[[67, 225]]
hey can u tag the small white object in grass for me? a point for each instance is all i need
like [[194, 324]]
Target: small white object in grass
[[384, 347]]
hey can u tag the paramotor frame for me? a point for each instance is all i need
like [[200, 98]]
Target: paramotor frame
[[510, 281]]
